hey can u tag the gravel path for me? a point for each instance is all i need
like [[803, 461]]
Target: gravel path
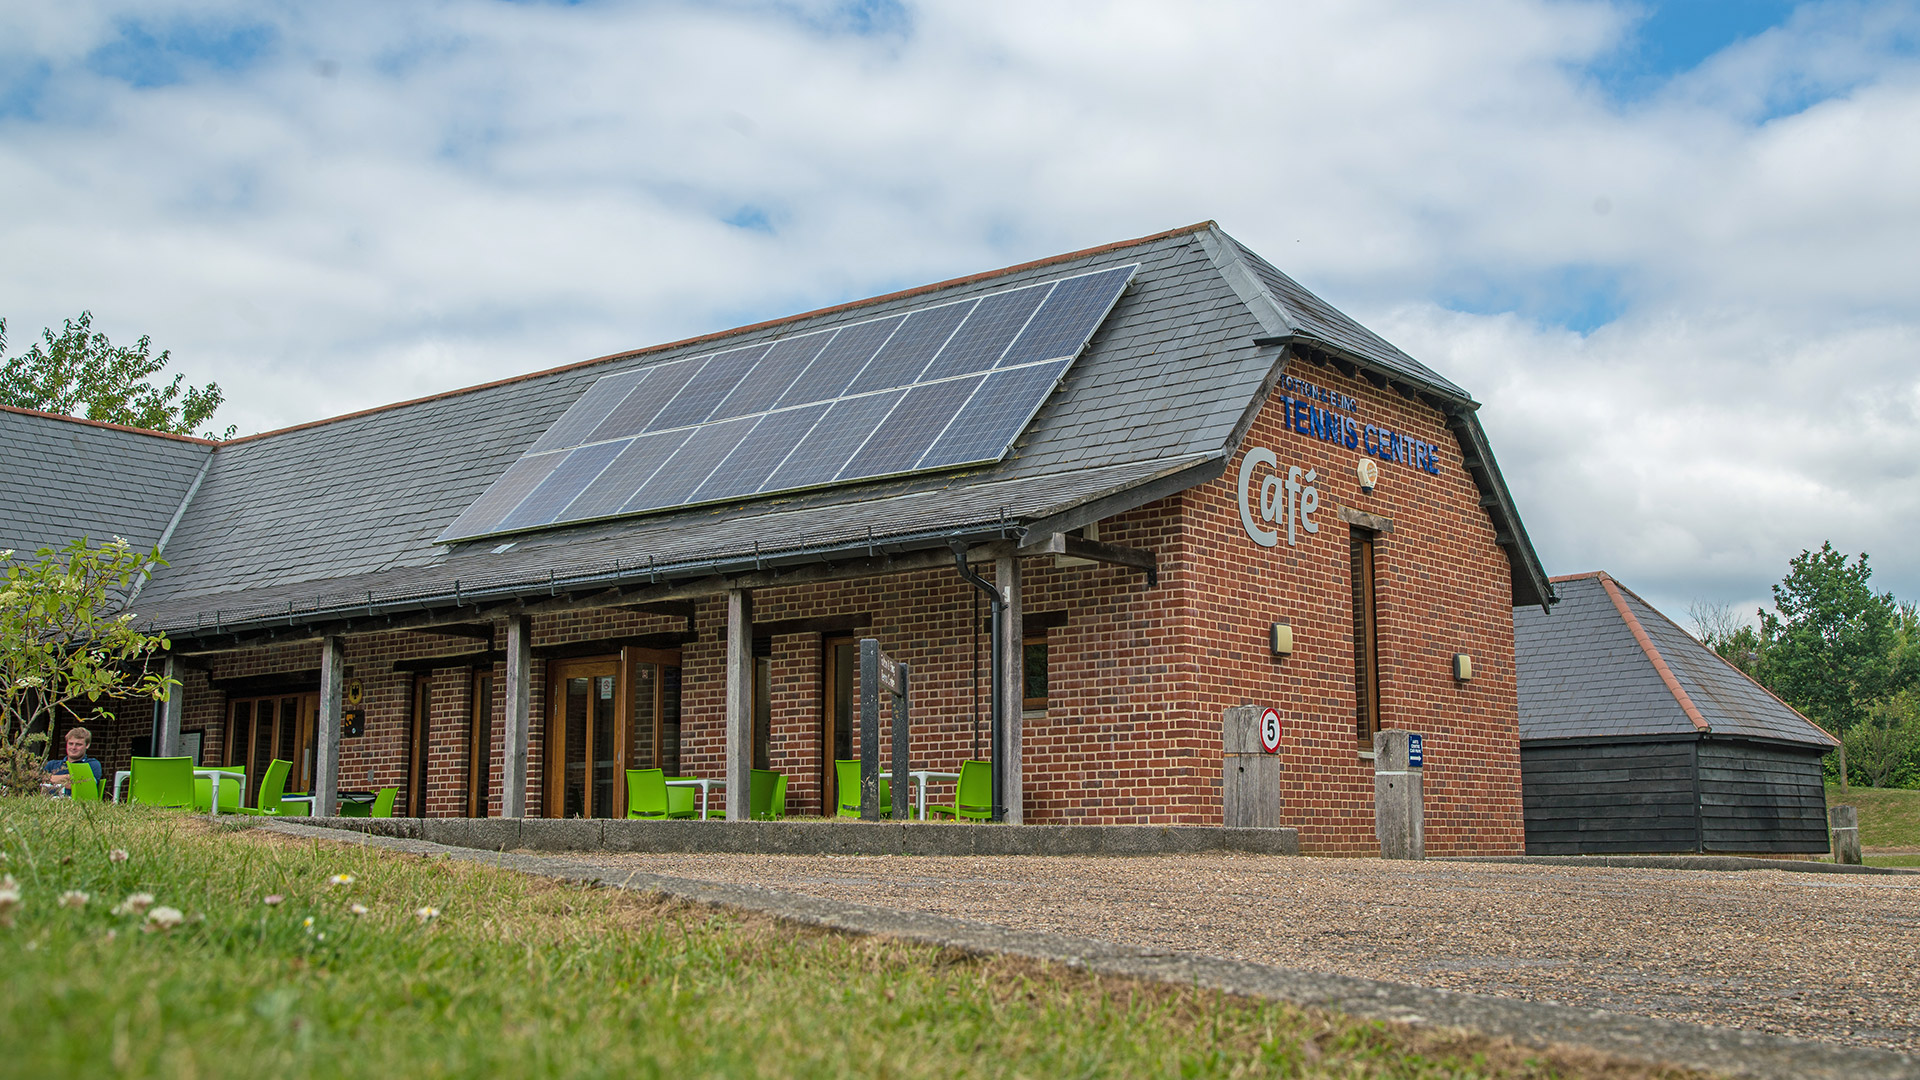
[[1820, 956]]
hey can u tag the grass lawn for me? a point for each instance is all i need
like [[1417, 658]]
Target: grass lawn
[[1889, 817], [424, 967]]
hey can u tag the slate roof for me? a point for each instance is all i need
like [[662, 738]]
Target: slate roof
[[343, 513], [1584, 673], [90, 479]]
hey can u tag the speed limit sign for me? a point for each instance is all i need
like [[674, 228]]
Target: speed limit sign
[[1270, 731]]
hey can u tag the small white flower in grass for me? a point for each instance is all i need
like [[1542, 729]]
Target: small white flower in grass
[[118, 854], [359, 909], [273, 900], [340, 879], [74, 898], [136, 904], [163, 919], [111, 934], [426, 914], [9, 901]]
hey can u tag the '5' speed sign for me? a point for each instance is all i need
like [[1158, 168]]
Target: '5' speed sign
[[1270, 731]]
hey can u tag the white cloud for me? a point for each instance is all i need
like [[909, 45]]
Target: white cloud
[[393, 200]]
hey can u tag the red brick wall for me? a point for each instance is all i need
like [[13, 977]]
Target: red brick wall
[[1138, 676], [1442, 587]]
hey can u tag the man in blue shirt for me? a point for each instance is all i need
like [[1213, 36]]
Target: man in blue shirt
[[77, 742]]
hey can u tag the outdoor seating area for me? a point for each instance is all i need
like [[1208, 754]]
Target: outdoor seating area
[[175, 782]]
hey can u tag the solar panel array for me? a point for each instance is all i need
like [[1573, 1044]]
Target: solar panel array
[[935, 388]]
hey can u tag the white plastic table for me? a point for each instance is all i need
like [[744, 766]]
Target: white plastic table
[[920, 778], [704, 783], [214, 776]]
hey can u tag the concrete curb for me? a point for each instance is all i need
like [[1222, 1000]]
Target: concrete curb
[[1722, 1051], [1682, 862], [817, 837]]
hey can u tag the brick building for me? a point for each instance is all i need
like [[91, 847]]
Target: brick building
[[498, 598]]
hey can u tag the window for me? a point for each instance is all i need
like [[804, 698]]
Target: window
[[1366, 641], [417, 748], [480, 749], [1034, 674]]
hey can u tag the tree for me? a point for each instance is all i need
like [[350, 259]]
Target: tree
[[1882, 748], [67, 644], [81, 369], [1719, 629], [1828, 647]]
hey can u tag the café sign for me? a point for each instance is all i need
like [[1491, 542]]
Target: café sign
[[1273, 501]]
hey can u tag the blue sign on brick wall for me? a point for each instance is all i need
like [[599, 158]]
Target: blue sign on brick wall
[[1413, 752]]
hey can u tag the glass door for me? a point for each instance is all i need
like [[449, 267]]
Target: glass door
[[264, 728], [604, 716], [842, 663], [583, 751]]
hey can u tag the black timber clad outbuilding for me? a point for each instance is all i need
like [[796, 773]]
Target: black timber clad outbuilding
[[1636, 738]]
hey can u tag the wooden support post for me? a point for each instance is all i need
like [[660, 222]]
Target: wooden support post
[[1846, 834], [326, 740], [1399, 814], [167, 740], [739, 705], [1012, 683], [519, 718], [870, 731]]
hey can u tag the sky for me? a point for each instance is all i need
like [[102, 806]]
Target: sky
[[1671, 247]]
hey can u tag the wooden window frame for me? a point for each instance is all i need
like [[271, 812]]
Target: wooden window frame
[[1034, 704], [419, 727], [480, 742], [1366, 637]]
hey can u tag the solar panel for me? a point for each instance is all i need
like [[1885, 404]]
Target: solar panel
[[940, 387]]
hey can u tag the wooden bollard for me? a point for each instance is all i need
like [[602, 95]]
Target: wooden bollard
[[1845, 821], [1399, 816]]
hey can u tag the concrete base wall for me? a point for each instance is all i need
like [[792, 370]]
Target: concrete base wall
[[818, 837]]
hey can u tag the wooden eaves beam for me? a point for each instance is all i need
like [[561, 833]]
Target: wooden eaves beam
[[1079, 547], [664, 598]]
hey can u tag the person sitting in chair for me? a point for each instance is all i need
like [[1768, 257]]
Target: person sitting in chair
[[77, 742]]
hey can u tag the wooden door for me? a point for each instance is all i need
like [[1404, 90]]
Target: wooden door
[[261, 729], [584, 756], [842, 715]]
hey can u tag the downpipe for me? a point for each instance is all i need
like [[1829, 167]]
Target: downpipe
[[996, 722]]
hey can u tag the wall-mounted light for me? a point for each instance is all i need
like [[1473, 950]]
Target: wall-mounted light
[[1463, 667], [1282, 639], [1369, 474]]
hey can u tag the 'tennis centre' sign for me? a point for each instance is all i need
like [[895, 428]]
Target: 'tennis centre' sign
[[1290, 502]]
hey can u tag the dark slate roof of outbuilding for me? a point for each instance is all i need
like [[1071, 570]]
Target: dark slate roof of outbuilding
[[90, 479], [1584, 673], [344, 513]]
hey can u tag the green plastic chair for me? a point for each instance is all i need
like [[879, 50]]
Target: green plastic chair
[[972, 795], [381, 806], [383, 802], [230, 792], [649, 797], [848, 773], [86, 786], [272, 786], [774, 807], [162, 781]]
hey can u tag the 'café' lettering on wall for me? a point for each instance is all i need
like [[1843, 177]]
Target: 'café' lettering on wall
[[1295, 499]]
